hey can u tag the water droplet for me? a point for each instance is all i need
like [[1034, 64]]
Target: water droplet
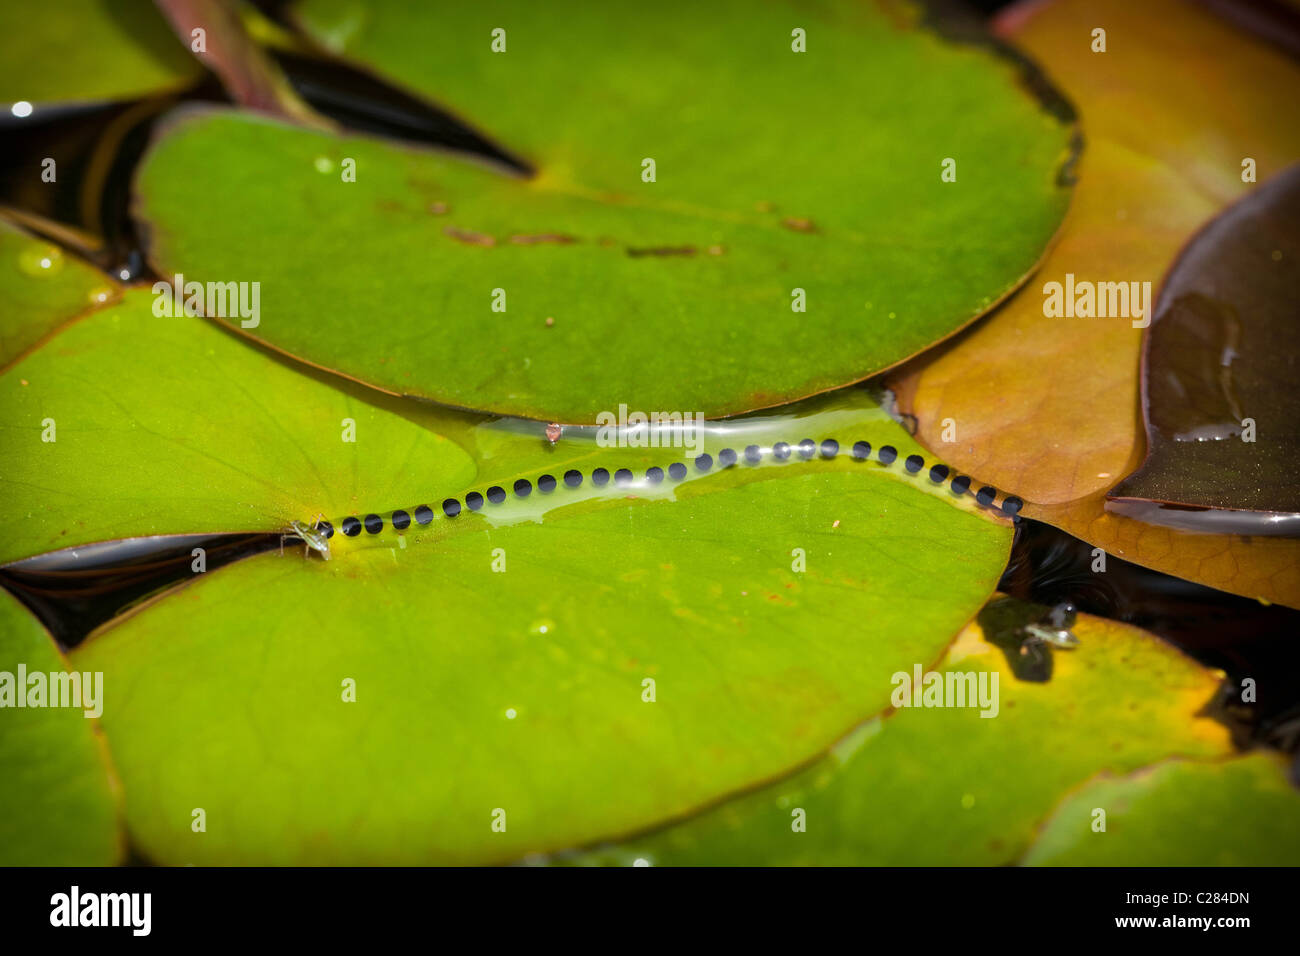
[[324, 164], [542, 628], [41, 260], [1194, 343], [967, 800], [510, 713], [640, 861], [22, 109], [553, 432]]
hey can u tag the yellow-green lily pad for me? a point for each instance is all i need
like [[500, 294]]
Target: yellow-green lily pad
[[1239, 812], [82, 51], [817, 184], [947, 786], [59, 802], [42, 287], [544, 672], [128, 423]]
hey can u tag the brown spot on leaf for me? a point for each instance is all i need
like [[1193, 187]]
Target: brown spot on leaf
[[546, 237], [662, 251], [438, 208], [799, 224], [466, 236]]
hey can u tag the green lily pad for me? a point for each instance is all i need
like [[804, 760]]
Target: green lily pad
[[1238, 812], [521, 689], [171, 426], [79, 51], [42, 287], [1219, 372], [820, 172], [944, 786], [59, 802]]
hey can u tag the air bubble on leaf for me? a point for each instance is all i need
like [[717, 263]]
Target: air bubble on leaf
[[42, 260], [542, 628]]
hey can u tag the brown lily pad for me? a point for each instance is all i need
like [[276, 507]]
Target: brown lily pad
[[1219, 370], [1048, 407]]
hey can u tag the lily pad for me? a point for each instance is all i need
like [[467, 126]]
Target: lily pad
[[822, 172], [1219, 374], [1164, 156], [42, 287], [128, 424], [518, 687], [1254, 566], [944, 786], [59, 802], [1239, 812], [79, 51]]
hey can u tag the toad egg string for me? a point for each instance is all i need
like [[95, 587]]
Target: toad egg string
[[495, 496]]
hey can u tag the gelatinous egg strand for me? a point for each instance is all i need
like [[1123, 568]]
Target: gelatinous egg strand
[[806, 450]]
